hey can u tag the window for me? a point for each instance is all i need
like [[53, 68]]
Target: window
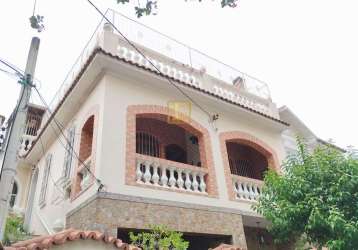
[[66, 173], [147, 144], [46, 174], [13, 194]]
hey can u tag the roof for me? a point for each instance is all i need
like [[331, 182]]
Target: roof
[[48, 241], [99, 50]]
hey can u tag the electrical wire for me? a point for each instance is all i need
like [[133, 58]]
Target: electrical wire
[[147, 59], [10, 129], [71, 150]]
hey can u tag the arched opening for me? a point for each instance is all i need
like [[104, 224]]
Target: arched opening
[[86, 139], [156, 136], [13, 195], [174, 152], [246, 161], [83, 176]]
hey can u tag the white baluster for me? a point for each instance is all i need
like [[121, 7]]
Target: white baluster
[[246, 191], [235, 184], [155, 176], [202, 184], [147, 175], [187, 180], [163, 177], [195, 182], [139, 173], [241, 191], [172, 180], [251, 192], [180, 180]]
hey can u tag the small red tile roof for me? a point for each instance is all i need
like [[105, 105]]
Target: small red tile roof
[[46, 242]]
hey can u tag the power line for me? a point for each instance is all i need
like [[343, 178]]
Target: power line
[[10, 129], [71, 150], [211, 117]]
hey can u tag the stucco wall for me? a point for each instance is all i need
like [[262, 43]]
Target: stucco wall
[[56, 207], [112, 97], [133, 92]]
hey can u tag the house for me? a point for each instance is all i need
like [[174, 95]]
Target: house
[[123, 148]]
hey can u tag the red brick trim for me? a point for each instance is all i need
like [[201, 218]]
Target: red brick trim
[[188, 123], [249, 140], [94, 111]]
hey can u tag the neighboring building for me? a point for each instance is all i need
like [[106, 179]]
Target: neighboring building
[[298, 129], [160, 157]]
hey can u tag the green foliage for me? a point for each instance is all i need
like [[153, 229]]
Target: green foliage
[[36, 22], [14, 230], [316, 197], [159, 238], [150, 7]]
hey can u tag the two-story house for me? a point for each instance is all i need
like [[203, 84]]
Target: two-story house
[[124, 148]]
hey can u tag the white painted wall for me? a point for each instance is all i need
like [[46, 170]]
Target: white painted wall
[[113, 94], [55, 210]]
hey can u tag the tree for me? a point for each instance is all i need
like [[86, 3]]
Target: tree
[[316, 199], [159, 238], [150, 6]]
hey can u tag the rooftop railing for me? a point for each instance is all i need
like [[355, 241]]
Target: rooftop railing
[[147, 37]]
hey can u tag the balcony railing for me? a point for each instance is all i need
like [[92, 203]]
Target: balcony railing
[[26, 143], [158, 172], [254, 93], [246, 188]]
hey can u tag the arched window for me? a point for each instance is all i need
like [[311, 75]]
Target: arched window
[[86, 139], [246, 161], [147, 144], [174, 152], [14, 193]]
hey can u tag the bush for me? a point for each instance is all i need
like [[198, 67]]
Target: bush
[[159, 238]]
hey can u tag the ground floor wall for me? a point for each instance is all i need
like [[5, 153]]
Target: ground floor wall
[[108, 213]]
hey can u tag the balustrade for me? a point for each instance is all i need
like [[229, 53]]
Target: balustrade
[[247, 188], [172, 175]]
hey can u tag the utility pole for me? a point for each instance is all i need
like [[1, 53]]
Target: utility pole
[[16, 131]]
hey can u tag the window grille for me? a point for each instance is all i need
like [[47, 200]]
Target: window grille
[[67, 164], [147, 144], [33, 123], [43, 191], [241, 167]]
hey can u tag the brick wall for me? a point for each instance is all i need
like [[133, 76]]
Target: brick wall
[[162, 113], [251, 141], [108, 214]]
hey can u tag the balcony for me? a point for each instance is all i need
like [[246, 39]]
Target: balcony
[[176, 60], [33, 124], [166, 174]]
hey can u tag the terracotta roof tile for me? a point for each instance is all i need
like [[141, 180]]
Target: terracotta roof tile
[[46, 242]]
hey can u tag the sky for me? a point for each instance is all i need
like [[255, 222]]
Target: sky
[[305, 50]]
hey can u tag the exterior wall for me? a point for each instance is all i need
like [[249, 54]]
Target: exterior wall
[[115, 102], [51, 215], [87, 244], [22, 178], [107, 214], [115, 131]]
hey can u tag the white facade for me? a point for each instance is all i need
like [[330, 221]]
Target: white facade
[[114, 79]]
